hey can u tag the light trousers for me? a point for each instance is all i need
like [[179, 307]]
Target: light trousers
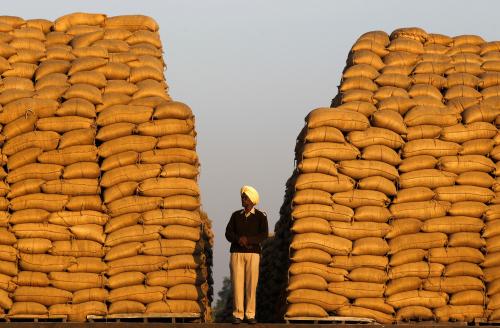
[[244, 276]]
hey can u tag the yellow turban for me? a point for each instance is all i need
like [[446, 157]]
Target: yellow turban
[[251, 193]]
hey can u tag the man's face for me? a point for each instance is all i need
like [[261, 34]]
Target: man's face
[[245, 201]]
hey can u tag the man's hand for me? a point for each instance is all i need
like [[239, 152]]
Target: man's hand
[[243, 241]]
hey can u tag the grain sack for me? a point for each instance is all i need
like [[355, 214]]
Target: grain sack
[[400, 285], [141, 263], [370, 246], [330, 150], [43, 295], [341, 119], [416, 269], [373, 136], [368, 275], [303, 281], [473, 297], [324, 134], [328, 273], [353, 290], [455, 254], [453, 224], [417, 163], [420, 210], [453, 285], [325, 299], [407, 256], [408, 313], [459, 313], [466, 239], [356, 311], [357, 198], [310, 255], [430, 178], [353, 262], [413, 194], [295, 310], [381, 153], [432, 147], [416, 241], [90, 295], [361, 169], [324, 182], [418, 298], [466, 163], [138, 293], [316, 225], [312, 196], [173, 306], [330, 213], [126, 307], [372, 214], [328, 243], [358, 230]]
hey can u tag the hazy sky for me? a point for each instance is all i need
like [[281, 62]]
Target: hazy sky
[[252, 70]]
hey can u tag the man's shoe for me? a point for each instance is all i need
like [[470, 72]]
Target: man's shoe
[[252, 321], [236, 321]]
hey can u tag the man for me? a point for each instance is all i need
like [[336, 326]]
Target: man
[[246, 230]]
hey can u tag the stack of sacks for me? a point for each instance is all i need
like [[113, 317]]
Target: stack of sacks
[[336, 224]]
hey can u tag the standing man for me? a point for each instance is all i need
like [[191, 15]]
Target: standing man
[[246, 230]]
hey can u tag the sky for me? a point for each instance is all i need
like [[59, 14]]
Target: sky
[[252, 70]]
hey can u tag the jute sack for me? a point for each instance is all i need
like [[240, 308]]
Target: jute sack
[[17, 108], [423, 132], [399, 104], [182, 202], [469, 297], [378, 183], [332, 244], [453, 224], [494, 302], [417, 241], [324, 182], [491, 273], [381, 153], [174, 306], [33, 245], [407, 256], [295, 310], [185, 141], [68, 219], [126, 307], [170, 278], [379, 37], [29, 216], [420, 210], [493, 244], [23, 157], [63, 124], [31, 278], [461, 133], [351, 262], [126, 279], [76, 187], [429, 178], [364, 107], [466, 239], [135, 233], [416, 269], [77, 137], [41, 230], [316, 225], [8, 283], [311, 255], [179, 170], [133, 204], [453, 285], [45, 263], [341, 119], [357, 95], [357, 198], [432, 147], [169, 247], [370, 246], [124, 250], [63, 23], [76, 281], [87, 170], [467, 208], [388, 119], [28, 308], [368, 275], [325, 299], [357, 230], [304, 281], [455, 254], [120, 160], [418, 298], [395, 80], [312, 196], [486, 112], [77, 248], [44, 295], [414, 313], [324, 134], [19, 126], [362, 169], [137, 172], [366, 57], [184, 261], [367, 44], [493, 213], [122, 221], [165, 187], [403, 227], [354, 290], [377, 304], [127, 143], [330, 150], [114, 131], [420, 162], [88, 264], [413, 194], [477, 179], [5, 300], [140, 263], [138, 293], [171, 216], [375, 136], [35, 171], [375, 214], [24, 187], [480, 147], [361, 70], [326, 272], [421, 115], [165, 127], [464, 193], [89, 295], [400, 285], [459, 313], [330, 213], [317, 165], [357, 311], [493, 287], [70, 155], [124, 114], [466, 163], [169, 156], [463, 269]]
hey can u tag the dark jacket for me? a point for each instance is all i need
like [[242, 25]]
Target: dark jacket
[[254, 227]]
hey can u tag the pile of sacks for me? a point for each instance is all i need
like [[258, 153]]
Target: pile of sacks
[[397, 193], [101, 208]]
